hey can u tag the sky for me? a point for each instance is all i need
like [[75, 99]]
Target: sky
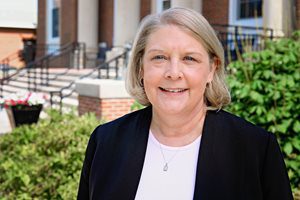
[[18, 13]]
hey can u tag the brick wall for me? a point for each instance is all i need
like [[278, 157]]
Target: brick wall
[[216, 11], [11, 42], [106, 109], [114, 108], [68, 22], [89, 104], [41, 27], [145, 8]]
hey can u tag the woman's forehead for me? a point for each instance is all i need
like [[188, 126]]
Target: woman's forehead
[[173, 36]]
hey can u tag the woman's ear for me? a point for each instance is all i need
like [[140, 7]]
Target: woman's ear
[[141, 75], [141, 70], [213, 67]]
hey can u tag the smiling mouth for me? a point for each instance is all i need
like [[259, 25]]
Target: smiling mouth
[[173, 90]]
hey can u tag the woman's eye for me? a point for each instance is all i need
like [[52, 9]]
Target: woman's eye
[[189, 58], [159, 57]]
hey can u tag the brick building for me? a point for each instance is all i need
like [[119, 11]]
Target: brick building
[[18, 20], [115, 21]]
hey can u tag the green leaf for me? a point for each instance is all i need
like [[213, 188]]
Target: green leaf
[[284, 126], [288, 148], [256, 97], [25, 179], [296, 127], [296, 143]]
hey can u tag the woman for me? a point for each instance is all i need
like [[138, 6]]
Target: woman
[[182, 145]]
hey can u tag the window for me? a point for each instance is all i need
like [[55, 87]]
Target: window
[[162, 5], [55, 22], [166, 5], [250, 9]]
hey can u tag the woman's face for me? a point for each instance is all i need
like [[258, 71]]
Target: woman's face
[[176, 69]]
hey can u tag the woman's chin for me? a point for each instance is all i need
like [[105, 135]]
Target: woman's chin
[[172, 108]]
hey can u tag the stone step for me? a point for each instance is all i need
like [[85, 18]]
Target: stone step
[[61, 77], [13, 89], [71, 76]]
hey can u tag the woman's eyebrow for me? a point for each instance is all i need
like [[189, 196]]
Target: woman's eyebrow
[[154, 50], [188, 52], [194, 52]]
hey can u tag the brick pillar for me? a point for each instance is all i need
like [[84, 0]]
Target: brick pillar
[[108, 99], [145, 8], [297, 14], [216, 14], [41, 27], [89, 104], [68, 22]]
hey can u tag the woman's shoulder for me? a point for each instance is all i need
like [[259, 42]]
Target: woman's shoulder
[[235, 132], [238, 126], [126, 123]]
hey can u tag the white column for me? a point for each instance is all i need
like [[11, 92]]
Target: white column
[[192, 4], [126, 21], [88, 23], [277, 14]]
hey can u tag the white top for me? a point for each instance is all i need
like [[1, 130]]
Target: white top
[[178, 181]]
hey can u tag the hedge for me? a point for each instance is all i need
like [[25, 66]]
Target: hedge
[[44, 161], [265, 88]]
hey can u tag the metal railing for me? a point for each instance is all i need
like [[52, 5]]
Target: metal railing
[[9, 67], [112, 65], [37, 71], [10, 64], [67, 56], [239, 39]]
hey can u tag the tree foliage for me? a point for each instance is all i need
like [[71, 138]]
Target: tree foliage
[[265, 88]]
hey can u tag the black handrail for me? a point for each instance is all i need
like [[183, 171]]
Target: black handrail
[[60, 54], [9, 63], [60, 93], [238, 39], [42, 64]]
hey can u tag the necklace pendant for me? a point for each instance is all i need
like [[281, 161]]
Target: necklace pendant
[[165, 167]]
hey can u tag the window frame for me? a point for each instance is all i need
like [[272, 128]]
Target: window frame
[[235, 20], [160, 5], [247, 6]]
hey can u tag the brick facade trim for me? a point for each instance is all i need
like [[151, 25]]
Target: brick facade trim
[[108, 99]]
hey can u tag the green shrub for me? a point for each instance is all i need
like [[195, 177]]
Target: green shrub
[[44, 161], [136, 106], [266, 91]]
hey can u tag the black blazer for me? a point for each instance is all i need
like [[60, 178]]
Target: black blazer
[[237, 160]]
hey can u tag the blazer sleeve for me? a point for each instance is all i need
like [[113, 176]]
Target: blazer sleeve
[[83, 190], [275, 181]]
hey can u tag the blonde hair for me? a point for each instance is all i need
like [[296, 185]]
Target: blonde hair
[[216, 94]]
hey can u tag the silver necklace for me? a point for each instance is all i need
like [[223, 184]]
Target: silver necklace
[[166, 165]]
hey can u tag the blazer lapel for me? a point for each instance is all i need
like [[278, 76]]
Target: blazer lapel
[[134, 156], [220, 160], [205, 159]]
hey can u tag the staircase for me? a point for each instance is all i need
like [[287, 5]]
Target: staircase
[[59, 83], [58, 78]]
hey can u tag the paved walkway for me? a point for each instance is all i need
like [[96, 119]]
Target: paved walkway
[[4, 122]]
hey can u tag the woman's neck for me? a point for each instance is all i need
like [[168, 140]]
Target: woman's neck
[[177, 129]]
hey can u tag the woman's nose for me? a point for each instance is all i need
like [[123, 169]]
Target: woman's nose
[[173, 70]]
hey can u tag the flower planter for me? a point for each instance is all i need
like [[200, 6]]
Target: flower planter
[[24, 114]]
